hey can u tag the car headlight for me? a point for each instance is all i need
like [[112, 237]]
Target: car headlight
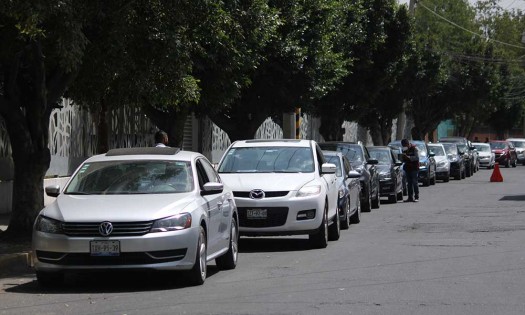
[[175, 223], [309, 191], [47, 225], [341, 193]]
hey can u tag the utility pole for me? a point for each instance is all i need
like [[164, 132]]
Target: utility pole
[[402, 117]]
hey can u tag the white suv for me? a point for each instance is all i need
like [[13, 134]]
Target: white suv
[[282, 187]]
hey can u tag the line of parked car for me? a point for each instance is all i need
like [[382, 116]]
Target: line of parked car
[[165, 209]]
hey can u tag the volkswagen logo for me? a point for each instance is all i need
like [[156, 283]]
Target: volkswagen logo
[[257, 194], [105, 228]]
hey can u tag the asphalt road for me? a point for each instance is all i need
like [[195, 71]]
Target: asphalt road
[[460, 250]]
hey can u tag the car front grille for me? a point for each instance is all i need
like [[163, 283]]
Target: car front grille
[[276, 216], [90, 229], [267, 194], [135, 258]]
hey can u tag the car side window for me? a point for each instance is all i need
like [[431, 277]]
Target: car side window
[[211, 175], [201, 174], [365, 152]]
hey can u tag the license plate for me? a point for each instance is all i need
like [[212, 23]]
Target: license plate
[[104, 248], [256, 214]]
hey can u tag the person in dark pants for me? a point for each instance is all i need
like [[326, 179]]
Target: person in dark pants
[[411, 158]]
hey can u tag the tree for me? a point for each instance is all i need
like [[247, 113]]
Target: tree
[[299, 66], [42, 48]]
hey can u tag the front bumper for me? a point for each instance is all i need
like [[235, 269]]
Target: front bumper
[[157, 251], [387, 187], [282, 215]]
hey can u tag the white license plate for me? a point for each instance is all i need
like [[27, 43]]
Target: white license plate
[[104, 248], [256, 214]]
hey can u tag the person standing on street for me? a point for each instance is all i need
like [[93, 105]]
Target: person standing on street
[[161, 139], [410, 157]]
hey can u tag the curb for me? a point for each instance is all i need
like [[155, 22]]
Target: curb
[[11, 264]]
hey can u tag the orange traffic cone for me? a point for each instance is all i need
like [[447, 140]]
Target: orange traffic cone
[[496, 174]]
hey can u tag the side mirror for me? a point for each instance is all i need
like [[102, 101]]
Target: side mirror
[[398, 163], [212, 188], [354, 174], [53, 190], [431, 154], [372, 161], [328, 168]]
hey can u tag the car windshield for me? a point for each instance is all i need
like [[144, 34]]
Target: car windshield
[[132, 177], [422, 149], [450, 148], [519, 144], [498, 145], [383, 156], [482, 148], [337, 161], [437, 150], [268, 160]]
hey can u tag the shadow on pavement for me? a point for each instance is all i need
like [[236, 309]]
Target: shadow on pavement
[[110, 282], [272, 244]]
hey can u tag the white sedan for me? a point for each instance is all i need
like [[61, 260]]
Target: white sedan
[[138, 208], [283, 187]]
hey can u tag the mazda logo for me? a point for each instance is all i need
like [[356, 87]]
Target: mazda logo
[[257, 194], [105, 228]]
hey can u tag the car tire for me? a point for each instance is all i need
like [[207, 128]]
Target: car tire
[[345, 222], [367, 205], [49, 279], [400, 195], [376, 202], [392, 198], [356, 217], [228, 261], [197, 274], [320, 238], [464, 174], [446, 179], [514, 164], [334, 230]]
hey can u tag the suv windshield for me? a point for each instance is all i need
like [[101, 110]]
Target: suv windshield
[[437, 150], [519, 144], [268, 160], [498, 145], [132, 177], [482, 148], [422, 149]]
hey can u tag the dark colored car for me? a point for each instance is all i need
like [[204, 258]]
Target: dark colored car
[[360, 160], [457, 162], [470, 155], [505, 152], [349, 189], [389, 172], [427, 164]]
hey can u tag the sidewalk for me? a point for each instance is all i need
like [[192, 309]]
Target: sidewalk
[[14, 256]]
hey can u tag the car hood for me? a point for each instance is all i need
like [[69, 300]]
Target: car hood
[[383, 168], [266, 181], [440, 158], [124, 208]]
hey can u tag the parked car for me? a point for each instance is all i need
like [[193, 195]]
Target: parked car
[[360, 160], [427, 164], [140, 208], [469, 154], [283, 187], [519, 144], [442, 162], [349, 189], [487, 158], [389, 171], [458, 168], [505, 152]]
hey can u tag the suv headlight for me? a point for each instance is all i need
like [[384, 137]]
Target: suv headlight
[[309, 191], [47, 225], [175, 223]]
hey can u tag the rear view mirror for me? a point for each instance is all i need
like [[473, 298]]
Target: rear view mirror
[[53, 190], [212, 188], [372, 161], [328, 168], [354, 174], [398, 163]]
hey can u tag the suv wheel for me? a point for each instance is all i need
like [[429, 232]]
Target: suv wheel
[[320, 239], [197, 274], [376, 203]]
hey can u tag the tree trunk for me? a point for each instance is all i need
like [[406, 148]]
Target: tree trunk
[[331, 129], [102, 128], [172, 122], [240, 127]]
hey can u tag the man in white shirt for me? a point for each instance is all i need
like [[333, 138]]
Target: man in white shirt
[[161, 139]]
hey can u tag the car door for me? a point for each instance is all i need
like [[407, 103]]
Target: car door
[[354, 185], [214, 205], [329, 181], [374, 179], [396, 171]]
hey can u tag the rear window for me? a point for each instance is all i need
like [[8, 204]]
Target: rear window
[[268, 160]]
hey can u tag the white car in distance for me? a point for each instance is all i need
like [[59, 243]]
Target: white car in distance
[[487, 158], [138, 208], [282, 187]]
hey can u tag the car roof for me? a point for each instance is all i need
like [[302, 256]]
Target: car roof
[[328, 152], [152, 153], [480, 143], [275, 143], [516, 139]]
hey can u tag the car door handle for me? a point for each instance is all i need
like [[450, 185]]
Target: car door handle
[[219, 206]]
